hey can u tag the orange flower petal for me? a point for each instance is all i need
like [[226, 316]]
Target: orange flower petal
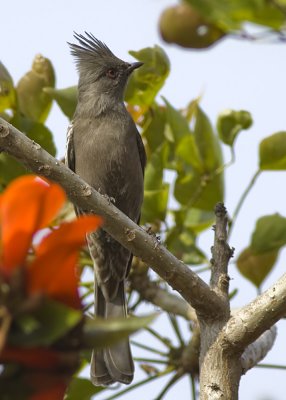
[[53, 270], [27, 205]]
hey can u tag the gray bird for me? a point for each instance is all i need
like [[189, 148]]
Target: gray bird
[[106, 150]]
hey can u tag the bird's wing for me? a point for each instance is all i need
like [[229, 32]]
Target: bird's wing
[[141, 149], [70, 155]]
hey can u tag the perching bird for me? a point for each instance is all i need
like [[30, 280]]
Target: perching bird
[[106, 150]]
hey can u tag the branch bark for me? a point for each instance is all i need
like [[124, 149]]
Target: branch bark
[[257, 350], [153, 293], [220, 368], [247, 324], [178, 275]]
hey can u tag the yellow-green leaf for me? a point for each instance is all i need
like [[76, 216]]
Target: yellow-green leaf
[[146, 81], [194, 218], [155, 204], [272, 152], [255, 267], [7, 91], [83, 389], [33, 102], [230, 123], [269, 233], [180, 241], [10, 168], [199, 191], [99, 332], [154, 127], [231, 15], [207, 142], [66, 99]]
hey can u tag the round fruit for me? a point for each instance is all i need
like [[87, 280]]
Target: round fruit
[[185, 26]]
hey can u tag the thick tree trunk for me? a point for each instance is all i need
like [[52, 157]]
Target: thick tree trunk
[[220, 368]]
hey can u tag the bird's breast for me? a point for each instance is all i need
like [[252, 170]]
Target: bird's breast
[[107, 157]]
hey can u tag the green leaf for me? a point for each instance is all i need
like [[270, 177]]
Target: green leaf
[[269, 233], [187, 152], [83, 389], [50, 322], [7, 91], [154, 127], [33, 102], [178, 123], [65, 98], [230, 123], [10, 168], [207, 143], [155, 204], [231, 15], [194, 218], [99, 332], [205, 187], [272, 152], [146, 81], [35, 131], [156, 192], [180, 241], [155, 168], [255, 267], [199, 191]]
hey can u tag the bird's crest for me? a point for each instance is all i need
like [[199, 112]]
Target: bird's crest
[[91, 50]]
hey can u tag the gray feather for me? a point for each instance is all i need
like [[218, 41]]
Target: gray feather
[[106, 150]]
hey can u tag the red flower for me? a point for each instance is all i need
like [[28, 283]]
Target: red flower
[[28, 205]]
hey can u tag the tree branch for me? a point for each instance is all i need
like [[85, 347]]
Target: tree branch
[[247, 324], [155, 294], [257, 350], [194, 290], [221, 253]]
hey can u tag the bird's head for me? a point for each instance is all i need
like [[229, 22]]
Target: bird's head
[[101, 72]]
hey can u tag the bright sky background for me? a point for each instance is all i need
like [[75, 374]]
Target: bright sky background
[[234, 74]]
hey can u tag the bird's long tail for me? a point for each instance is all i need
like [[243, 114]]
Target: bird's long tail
[[112, 364]]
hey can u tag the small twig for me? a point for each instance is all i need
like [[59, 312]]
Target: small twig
[[148, 348], [136, 385], [166, 342], [271, 366], [153, 293], [193, 386], [174, 323], [150, 360], [171, 382], [221, 254]]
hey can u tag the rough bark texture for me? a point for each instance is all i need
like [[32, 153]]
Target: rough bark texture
[[220, 369]]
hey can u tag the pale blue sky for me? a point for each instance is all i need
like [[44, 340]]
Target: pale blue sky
[[234, 74]]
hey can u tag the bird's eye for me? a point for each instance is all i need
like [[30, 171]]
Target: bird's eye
[[111, 73]]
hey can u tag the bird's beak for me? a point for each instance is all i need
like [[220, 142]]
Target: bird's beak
[[134, 66]]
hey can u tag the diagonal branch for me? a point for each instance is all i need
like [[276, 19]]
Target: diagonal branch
[[247, 324], [153, 293], [193, 289]]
